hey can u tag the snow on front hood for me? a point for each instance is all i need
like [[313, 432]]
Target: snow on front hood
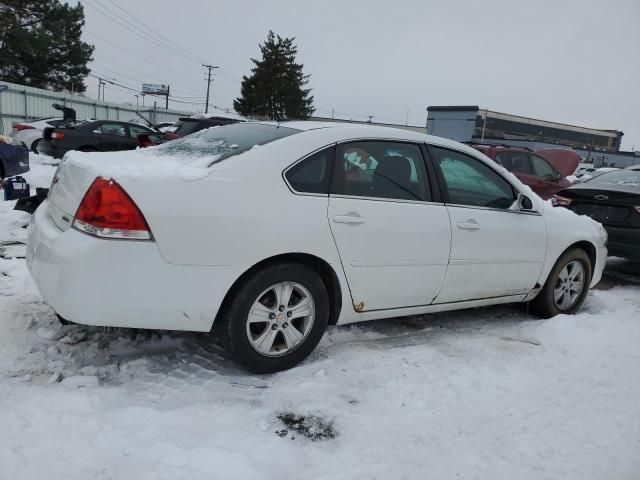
[[563, 160]]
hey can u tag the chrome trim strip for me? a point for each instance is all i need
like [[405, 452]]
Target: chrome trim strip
[[464, 261], [505, 210], [378, 199], [399, 263]]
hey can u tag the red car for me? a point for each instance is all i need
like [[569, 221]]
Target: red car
[[545, 170]]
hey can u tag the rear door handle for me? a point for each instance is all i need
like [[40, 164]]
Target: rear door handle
[[469, 225], [349, 218]]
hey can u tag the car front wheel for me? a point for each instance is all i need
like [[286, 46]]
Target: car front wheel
[[566, 287], [276, 318]]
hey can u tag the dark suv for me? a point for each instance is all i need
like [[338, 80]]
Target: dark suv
[[545, 171]]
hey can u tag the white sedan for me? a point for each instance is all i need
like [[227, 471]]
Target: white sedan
[[30, 133], [266, 233]]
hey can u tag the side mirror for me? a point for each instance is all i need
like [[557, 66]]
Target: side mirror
[[524, 202]]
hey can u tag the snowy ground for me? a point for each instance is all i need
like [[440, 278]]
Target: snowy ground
[[490, 393]]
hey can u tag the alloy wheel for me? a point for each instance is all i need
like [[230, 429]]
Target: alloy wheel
[[280, 319], [569, 285]]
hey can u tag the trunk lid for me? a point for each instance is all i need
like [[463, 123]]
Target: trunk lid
[[615, 207]]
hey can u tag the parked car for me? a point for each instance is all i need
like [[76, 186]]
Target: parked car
[[30, 133], [544, 171], [163, 126], [263, 232], [612, 199], [14, 157], [188, 125], [589, 173], [183, 127], [634, 167], [91, 136]]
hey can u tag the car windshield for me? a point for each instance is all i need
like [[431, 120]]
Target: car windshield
[[222, 142], [618, 177]]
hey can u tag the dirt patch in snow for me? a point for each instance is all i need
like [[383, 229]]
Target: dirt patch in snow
[[311, 427]]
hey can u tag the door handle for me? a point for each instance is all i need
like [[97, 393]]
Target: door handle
[[469, 225], [349, 218]]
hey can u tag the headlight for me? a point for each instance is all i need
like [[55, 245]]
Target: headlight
[[10, 141], [604, 236]]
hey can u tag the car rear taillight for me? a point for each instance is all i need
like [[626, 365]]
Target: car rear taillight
[[560, 201], [21, 126], [57, 135], [107, 211]]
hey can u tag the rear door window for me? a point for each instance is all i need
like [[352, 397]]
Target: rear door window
[[392, 170], [112, 129]]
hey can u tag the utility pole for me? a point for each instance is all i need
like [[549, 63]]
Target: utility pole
[[136, 99], [101, 83], [209, 67], [166, 104]]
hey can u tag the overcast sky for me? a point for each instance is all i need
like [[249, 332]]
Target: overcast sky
[[573, 61]]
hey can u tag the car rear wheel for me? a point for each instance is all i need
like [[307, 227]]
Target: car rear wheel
[[566, 287], [276, 318]]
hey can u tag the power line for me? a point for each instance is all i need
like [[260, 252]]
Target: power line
[[133, 28], [137, 80], [157, 34], [164, 67]]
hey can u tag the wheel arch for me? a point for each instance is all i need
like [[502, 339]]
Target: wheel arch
[[324, 270], [585, 245], [588, 247]]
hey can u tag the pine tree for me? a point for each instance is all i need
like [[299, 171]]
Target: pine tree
[[275, 89], [41, 46]]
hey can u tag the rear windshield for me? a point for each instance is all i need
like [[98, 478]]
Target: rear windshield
[[617, 177], [224, 141]]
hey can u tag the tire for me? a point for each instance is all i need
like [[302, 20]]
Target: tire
[[257, 295], [545, 304], [34, 145]]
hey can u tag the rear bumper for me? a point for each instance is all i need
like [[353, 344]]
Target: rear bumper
[[46, 147], [120, 283], [624, 242]]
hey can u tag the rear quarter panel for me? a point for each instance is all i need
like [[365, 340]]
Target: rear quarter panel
[[239, 213]]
